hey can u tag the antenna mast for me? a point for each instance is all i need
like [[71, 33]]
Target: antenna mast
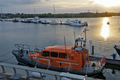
[[85, 37], [65, 43], [1, 11]]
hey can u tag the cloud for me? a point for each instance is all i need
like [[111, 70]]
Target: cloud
[[61, 6], [6, 3], [90, 2]]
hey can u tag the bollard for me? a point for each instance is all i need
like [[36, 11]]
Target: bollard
[[114, 55], [92, 50]]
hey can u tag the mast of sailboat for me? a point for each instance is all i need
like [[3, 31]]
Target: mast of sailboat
[[1, 12], [54, 10], [34, 10], [72, 16]]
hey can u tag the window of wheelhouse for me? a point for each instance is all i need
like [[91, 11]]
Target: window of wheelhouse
[[45, 53], [54, 54], [62, 55]]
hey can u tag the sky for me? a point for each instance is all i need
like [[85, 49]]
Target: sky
[[61, 6]]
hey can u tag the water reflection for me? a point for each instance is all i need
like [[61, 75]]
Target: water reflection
[[105, 29]]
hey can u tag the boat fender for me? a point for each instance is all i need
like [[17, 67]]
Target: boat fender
[[104, 59], [101, 62], [37, 75]]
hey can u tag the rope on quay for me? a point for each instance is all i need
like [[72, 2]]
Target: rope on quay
[[110, 75], [7, 59], [5, 54]]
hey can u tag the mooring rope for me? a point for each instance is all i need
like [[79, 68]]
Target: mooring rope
[[5, 54], [7, 59]]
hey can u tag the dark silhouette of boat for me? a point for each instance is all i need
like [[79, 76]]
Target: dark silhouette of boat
[[117, 48]]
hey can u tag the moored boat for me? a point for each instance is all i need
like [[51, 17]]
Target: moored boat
[[54, 22], [27, 20], [73, 59], [78, 23], [44, 22], [36, 19], [16, 19], [67, 22]]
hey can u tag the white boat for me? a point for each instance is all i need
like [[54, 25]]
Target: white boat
[[44, 22], [27, 20], [36, 19], [54, 22], [67, 22], [78, 23]]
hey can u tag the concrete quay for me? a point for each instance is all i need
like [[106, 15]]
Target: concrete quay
[[109, 59]]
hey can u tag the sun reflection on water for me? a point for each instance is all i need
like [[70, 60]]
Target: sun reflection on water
[[105, 29]]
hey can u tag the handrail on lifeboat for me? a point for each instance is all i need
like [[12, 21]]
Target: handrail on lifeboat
[[27, 47], [23, 46]]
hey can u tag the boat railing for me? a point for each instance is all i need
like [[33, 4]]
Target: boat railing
[[96, 64], [27, 47]]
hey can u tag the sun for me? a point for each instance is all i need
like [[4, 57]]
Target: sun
[[107, 3]]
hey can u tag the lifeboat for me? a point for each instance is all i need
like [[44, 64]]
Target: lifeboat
[[73, 59]]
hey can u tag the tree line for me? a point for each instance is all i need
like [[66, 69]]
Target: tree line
[[63, 15]]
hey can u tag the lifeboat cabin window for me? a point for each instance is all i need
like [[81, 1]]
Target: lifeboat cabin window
[[62, 55], [54, 54], [45, 53]]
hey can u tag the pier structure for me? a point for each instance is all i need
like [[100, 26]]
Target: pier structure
[[108, 59]]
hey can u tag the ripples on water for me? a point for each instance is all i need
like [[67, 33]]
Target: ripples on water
[[103, 36]]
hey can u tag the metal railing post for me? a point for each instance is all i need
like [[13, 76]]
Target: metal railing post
[[72, 78], [27, 74], [41, 76], [55, 77], [14, 70], [3, 69]]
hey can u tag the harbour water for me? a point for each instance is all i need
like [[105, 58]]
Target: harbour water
[[103, 36]]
